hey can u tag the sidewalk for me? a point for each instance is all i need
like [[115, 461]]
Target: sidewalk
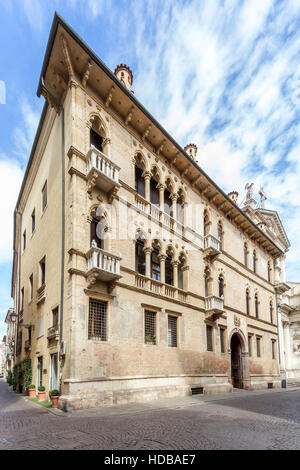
[[167, 403]]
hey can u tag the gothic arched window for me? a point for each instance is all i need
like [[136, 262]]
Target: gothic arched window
[[271, 311], [220, 234], [246, 254], [221, 286], [247, 302], [140, 257], [256, 305], [96, 140], [254, 261]]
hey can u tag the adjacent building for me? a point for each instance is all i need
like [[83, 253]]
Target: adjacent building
[[135, 276], [289, 332]]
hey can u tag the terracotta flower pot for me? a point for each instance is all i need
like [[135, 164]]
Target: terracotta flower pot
[[42, 396], [54, 401], [31, 392]]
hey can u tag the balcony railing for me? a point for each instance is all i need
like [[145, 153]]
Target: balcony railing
[[158, 287], [212, 246], [104, 265], [160, 216], [27, 345], [52, 332], [214, 306], [106, 171]]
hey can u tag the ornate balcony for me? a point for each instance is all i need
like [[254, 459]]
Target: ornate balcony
[[41, 293], [102, 265], [101, 171], [53, 333], [142, 205], [212, 247], [27, 345], [214, 307], [281, 287], [158, 287]]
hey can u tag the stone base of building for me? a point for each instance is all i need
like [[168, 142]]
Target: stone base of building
[[107, 392], [260, 382]]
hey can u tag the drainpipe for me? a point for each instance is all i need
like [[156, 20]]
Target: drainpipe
[[62, 221]]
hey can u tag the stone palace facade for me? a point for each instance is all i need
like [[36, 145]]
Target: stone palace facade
[[135, 276]]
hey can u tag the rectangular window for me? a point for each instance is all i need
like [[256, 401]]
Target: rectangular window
[[55, 316], [150, 327], [172, 331], [258, 347], [209, 337], [33, 221], [273, 342], [222, 340], [250, 345], [31, 287], [22, 298], [54, 382], [44, 197], [24, 240], [97, 329], [42, 272], [40, 371]]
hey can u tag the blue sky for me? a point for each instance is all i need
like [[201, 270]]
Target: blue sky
[[224, 74]]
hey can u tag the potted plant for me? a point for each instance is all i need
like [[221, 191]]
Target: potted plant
[[54, 396], [41, 393], [31, 390]]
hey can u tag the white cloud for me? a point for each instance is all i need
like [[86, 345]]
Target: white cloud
[[10, 181], [23, 135]]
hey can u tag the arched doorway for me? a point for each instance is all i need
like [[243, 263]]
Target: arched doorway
[[236, 362], [239, 361]]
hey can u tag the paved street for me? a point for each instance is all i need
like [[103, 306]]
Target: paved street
[[267, 419]]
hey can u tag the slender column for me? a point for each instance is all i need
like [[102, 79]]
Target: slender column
[[147, 251], [161, 188], [174, 200], [162, 259], [147, 177], [175, 273]]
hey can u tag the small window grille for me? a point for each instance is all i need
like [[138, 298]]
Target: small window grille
[[150, 327], [172, 332], [97, 329], [209, 338]]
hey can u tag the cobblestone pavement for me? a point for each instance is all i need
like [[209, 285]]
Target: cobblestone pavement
[[268, 419]]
